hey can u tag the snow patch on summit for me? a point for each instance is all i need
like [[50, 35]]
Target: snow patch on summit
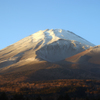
[[50, 36]]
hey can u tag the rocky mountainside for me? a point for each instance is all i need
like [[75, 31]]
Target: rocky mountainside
[[50, 45], [37, 56], [91, 55]]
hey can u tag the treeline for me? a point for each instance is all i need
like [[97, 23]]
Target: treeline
[[51, 90]]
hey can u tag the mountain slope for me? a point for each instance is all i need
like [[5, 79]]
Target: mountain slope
[[91, 55], [85, 64], [50, 45], [36, 57]]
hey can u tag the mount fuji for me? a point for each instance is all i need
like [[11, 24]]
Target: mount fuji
[[40, 53]]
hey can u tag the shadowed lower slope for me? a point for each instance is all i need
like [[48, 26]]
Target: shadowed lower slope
[[50, 71]]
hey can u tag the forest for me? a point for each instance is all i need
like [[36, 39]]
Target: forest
[[62, 89]]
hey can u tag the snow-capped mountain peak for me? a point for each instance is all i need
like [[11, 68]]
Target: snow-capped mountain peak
[[49, 36], [50, 45]]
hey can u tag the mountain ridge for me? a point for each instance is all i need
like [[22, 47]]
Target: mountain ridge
[[38, 40], [44, 55]]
